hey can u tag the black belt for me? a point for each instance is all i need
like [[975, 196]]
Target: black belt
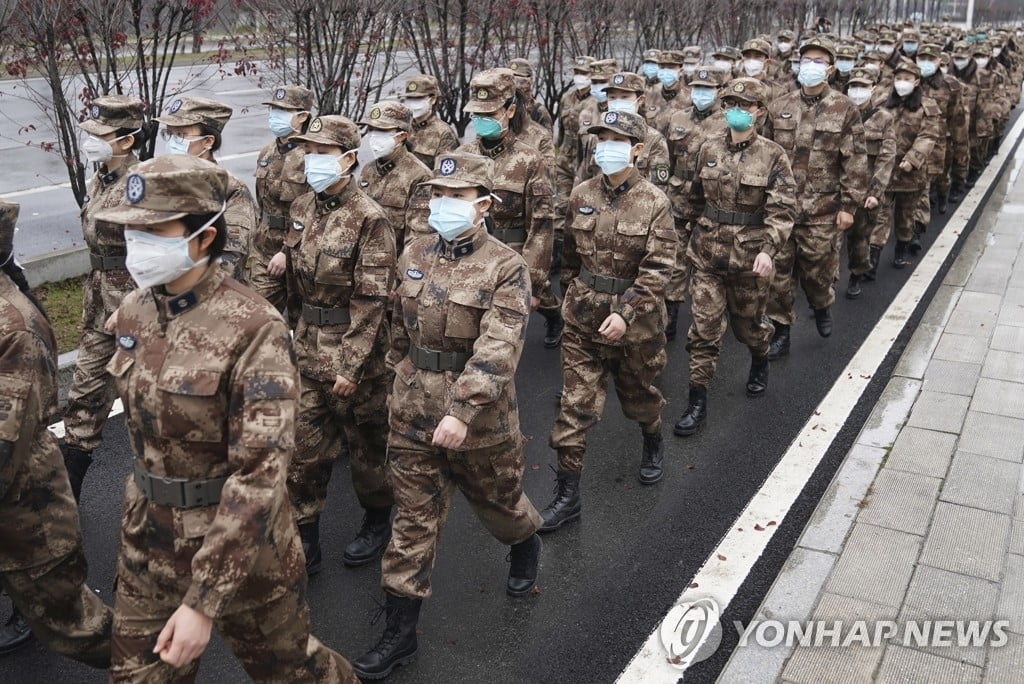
[[318, 315], [734, 218], [603, 283], [510, 236], [106, 263], [431, 360], [178, 492], [276, 222]]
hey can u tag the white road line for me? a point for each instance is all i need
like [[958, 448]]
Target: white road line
[[726, 568], [242, 91], [58, 428]]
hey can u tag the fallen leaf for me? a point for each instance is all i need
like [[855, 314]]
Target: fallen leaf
[[535, 591], [739, 529], [535, 466], [758, 527], [693, 585], [721, 557], [771, 522]]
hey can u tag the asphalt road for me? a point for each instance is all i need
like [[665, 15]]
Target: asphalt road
[[606, 581]]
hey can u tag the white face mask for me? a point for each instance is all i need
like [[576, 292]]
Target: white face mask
[[961, 63], [152, 260], [753, 67], [99, 151], [419, 106], [581, 81], [859, 94], [886, 49], [380, 143], [982, 62], [622, 106], [997, 51], [723, 64], [689, 69], [785, 47], [903, 88]]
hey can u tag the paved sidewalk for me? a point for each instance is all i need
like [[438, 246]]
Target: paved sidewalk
[[925, 519]]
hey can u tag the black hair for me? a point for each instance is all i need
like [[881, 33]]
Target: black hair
[[141, 137], [17, 274], [194, 222], [518, 121], [208, 130]]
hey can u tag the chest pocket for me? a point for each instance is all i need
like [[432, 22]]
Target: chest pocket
[[752, 190], [191, 405], [873, 142], [827, 137], [785, 132], [631, 241], [583, 226], [12, 407], [334, 266], [408, 293], [512, 204], [463, 310]]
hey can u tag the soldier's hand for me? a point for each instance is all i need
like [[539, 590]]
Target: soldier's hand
[[184, 637], [613, 328], [277, 265], [450, 433], [844, 220], [534, 303], [763, 265], [871, 203], [906, 166], [343, 387], [111, 323]]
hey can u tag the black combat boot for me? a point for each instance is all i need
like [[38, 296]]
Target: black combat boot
[[397, 646], [371, 538], [972, 177], [554, 329], [673, 320], [943, 202], [77, 462], [956, 193], [876, 254], [780, 342], [309, 533], [651, 459], [823, 321], [566, 505], [900, 260], [696, 413], [853, 290], [757, 381], [915, 245], [15, 633], [524, 559], [933, 197]]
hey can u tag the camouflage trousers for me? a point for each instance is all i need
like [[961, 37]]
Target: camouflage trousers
[[586, 365], [741, 295], [858, 240], [266, 623], [272, 288], [679, 280], [423, 478], [810, 257], [324, 419], [898, 211], [92, 393], [979, 153]]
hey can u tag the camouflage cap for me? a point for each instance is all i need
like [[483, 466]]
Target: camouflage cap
[[758, 45], [463, 170], [911, 35], [846, 52], [490, 90], [189, 111], [863, 76], [421, 85], [671, 57], [627, 81], [746, 89], [873, 56], [168, 188], [693, 52], [651, 55], [625, 123], [929, 50], [335, 130], [294, 97], [389, 115], [962, 49], [582, 64], [727, 52], [604, 69], [888, 37], [8, 220], [784, 36], [907, 66], [821, 44], [113, 112], [709, 76], [982, 48], [521, 67]]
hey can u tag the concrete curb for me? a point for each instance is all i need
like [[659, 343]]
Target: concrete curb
[[56, 266]]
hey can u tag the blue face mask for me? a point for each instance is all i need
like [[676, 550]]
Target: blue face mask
[[739, 120], [597, 90], [322, 171], [928, 67], [844, 66], [451, 217], [702, 97], [811, 74], [650, 70], [280, 122], [910, 48], [613, 156], [622, 106], [487, 127], [668, 77]]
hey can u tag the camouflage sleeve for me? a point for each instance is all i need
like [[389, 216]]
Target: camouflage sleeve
[[958, 135], [544, 117], [927, 135], [417, 212], [660, 164], [399, 346], [695, 201], [374, 283], [240, 216], [570, 257], [27, 372], [497, 350], [262, 408], [655, 267], [565, 171], [853, 177], [884, 164], [447, 141], [540, 235], [780, 206]]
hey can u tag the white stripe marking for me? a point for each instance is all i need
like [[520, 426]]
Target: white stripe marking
[[721, 579], [243, 91], [58, 428]]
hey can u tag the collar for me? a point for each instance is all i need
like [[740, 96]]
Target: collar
[[384, 165], [326, 203], [813, 99], [461, 247], [286, 146], [669, 94], [737, 147], [700, 116], [111, 177], [625, 185], [172, 306], [420, 125], [580, 95], [503, 144]]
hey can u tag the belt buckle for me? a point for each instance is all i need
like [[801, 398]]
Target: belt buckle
[[603, 282]]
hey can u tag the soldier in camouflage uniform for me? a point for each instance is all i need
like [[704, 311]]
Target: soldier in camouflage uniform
[[574, 100], [649, 68], [692, 56], [115, 123], [880, 145], [742, 202], [207, 374], [671, 95], [341, 262], [846, 59], [821, 131], [430, 136], [757, 64], [539, 114], [194, 126], [42, 567], [460, 320], [784, 44], [953, 143], [523, 215], [393, 179], [980, 103], [279, 180], [620, 246]]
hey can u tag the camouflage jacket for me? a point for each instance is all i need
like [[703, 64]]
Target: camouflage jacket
[[40, 516], [472, 296], [652, 162], [104, 290], [539, 138], [523, 186], [824, 139], [394, 184], [687, 131], [240, 216], [280, 178], [880, 143], [981, 101], [431, 137], [947, 93], [916, 132], [662, 105], [622, 232], [751, 177], [540, 115], [341, 254], [569, 108], [210, 390]]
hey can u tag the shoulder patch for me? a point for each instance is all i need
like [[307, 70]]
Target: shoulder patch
[[586, 211], [264, 162], [414, 273], [712, 164], [296, 225], [364, 184], [126, 342], [786, 115], [661, 173]]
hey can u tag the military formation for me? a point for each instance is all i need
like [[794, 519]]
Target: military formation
[[380, 313]]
